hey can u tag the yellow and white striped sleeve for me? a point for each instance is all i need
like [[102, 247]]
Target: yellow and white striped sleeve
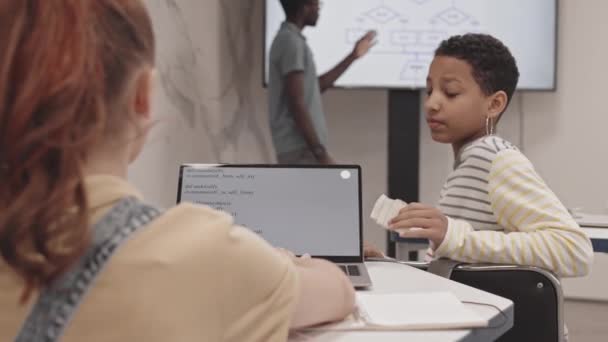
[[539, 231]]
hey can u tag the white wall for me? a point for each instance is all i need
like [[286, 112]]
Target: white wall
[[565, 131], [209, 105]]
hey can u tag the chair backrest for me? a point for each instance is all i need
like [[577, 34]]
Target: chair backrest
[[536, 294]]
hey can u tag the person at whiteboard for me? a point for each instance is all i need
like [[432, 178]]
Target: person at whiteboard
[[82, 256], [297, 121], [494, 206]]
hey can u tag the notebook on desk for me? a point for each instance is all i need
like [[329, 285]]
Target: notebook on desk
[[306, 209]]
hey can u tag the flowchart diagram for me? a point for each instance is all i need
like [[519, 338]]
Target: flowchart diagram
[[407, 34]]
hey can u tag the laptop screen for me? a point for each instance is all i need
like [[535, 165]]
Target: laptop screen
[[305, 209]]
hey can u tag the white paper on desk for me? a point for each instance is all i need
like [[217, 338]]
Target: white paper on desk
[[408, 311], [426, 310]]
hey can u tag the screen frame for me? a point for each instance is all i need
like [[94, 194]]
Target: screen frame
[[337, 259], [551, 88]]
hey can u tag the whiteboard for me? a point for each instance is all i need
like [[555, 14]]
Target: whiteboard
[[409, 31]]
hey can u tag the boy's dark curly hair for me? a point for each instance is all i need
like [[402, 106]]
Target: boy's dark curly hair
[[494, 67]]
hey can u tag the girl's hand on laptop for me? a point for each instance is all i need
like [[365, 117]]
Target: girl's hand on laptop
[[418, 220]]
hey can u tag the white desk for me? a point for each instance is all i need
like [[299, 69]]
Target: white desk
[[596, 226], [392, 277]]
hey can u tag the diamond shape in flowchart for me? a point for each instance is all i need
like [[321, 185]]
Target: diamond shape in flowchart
[[382, 14], [453, 16]]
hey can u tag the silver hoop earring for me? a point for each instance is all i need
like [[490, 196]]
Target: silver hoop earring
[[489, 126]]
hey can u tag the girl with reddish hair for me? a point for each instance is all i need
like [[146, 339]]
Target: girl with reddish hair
[[82, 257]]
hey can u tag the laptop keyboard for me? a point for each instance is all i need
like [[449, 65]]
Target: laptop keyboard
[[352, 270]]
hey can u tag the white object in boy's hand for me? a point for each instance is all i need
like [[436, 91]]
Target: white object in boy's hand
[[386, 209], [404, 230]]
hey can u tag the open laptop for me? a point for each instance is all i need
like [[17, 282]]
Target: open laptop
[[305, 209]]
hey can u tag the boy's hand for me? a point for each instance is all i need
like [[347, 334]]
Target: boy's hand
[[431, 223]]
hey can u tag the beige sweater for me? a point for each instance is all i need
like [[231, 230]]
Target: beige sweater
[[191, 275]]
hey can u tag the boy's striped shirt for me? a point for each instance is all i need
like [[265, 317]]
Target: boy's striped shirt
[[501, 211]]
